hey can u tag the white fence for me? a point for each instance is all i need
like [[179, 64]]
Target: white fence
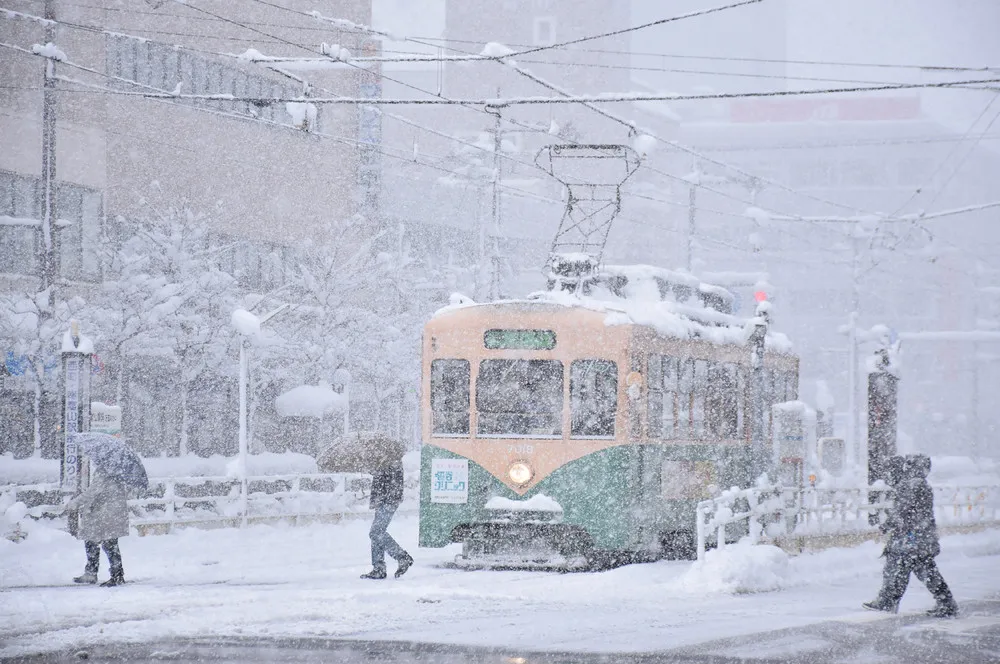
[[180, 501], [769, 513]]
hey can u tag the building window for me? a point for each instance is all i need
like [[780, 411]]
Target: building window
[[545, 31], [21, 198]]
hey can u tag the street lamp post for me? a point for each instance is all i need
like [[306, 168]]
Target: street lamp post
[[249, 326]]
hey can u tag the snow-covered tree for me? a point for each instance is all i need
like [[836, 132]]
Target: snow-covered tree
[[33, 330], [134, 302], [167, 296]]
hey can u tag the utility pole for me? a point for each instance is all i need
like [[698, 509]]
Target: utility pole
[[853, 420], [494, 289], [47, 250], [692, 196], [974, 397]]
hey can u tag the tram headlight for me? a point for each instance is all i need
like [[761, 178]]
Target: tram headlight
[[520, 472]]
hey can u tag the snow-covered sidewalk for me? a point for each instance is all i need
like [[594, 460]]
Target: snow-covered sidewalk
[[284, 581]]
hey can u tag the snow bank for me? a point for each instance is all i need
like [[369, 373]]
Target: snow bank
[[43, 471], [537, 503], [28, 471], [265, 463], [309, 401], [740, 568]]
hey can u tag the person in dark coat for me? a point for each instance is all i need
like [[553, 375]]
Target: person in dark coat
[[913, 542], [387, 494], [102, 511]]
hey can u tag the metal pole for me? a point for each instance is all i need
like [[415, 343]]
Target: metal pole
[[47, 250], [244, 377]]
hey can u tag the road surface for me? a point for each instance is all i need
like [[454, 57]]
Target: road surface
[[972, 638]]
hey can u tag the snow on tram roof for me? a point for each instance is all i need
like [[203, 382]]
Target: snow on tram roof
[[683, 321]]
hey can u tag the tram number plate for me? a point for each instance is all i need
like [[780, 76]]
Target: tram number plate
[[450, 481], [520, 449]]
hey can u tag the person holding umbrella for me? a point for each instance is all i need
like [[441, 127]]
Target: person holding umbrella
[[102, 508], [382, 457]]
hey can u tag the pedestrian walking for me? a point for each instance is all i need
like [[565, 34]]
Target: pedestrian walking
[[387, 494], [912, 540], [103, 518], [99, 514]]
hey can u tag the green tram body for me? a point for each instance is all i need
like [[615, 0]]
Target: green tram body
[[635, 498]]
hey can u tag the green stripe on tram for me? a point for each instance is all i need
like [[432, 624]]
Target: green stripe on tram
[[597, 492]]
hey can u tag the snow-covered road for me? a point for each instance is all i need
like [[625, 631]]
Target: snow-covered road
[[303, 582]]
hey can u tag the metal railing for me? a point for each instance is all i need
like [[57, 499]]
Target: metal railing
[[176, 501], [765, 514]]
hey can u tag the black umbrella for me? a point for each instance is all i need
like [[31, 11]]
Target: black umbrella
[[114, 458]]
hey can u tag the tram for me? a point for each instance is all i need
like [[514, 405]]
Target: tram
[[571, 429]]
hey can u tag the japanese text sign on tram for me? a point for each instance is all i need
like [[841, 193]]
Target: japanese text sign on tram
[[450, 481]]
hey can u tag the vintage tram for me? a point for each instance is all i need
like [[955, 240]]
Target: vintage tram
[[570, 429]]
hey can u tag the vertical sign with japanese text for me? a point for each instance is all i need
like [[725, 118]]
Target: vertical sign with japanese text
[[450, 481], [71, 457]]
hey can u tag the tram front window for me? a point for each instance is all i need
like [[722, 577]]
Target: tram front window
[[520, 398], [593, 398], [450, 397]]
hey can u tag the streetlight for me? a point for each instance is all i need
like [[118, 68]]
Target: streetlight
[[249, 326]]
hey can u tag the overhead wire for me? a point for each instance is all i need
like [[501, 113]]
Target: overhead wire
[[305, 48]]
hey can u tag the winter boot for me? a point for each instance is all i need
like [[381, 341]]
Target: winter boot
[[877, 605], [376, 573], [86, 577], [117, 579], [946, 609], [404, 564]]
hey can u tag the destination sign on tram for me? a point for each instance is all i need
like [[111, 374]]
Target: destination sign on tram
[[520, 339]]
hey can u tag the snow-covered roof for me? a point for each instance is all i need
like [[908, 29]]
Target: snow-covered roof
[[683, 320]]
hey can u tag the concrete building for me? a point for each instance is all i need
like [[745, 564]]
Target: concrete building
[[268, 176]]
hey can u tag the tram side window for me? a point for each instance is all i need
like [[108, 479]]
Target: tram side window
[[662, 381], [723, 401], [520, 398], [450, 397], [593, 397]]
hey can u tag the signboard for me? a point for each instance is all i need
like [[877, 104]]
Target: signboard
[[520, 339], [71, 457], [450, 481], [105, 418]]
